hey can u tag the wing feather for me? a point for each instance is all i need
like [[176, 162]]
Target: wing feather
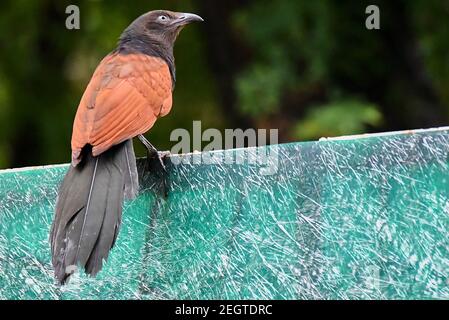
[[124, 98]]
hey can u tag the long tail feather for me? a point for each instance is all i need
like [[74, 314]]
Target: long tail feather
[[89, 209], [131, 179]]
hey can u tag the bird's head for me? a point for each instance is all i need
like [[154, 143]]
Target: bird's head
[[161, 27], [154, 33]]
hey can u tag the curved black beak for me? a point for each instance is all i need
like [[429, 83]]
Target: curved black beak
[[186, 18]]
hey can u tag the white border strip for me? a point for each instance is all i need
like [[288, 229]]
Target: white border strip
[[341, 138], [384, 134]]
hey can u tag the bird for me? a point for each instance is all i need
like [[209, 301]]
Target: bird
[[129, 90]]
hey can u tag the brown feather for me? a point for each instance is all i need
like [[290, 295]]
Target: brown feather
[[125, 97]]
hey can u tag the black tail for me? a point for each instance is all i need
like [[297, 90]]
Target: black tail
[[89, 209]]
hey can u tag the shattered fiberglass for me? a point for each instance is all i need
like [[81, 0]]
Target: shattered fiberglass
[[356, 218]]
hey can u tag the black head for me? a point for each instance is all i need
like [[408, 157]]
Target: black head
[[161, 27], [166, 25], [154, 33]]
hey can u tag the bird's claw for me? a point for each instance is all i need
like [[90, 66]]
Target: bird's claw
[[157, 159], [160, 156], [154, 156]]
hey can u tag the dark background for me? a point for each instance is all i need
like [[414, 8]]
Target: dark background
[[308, 68]]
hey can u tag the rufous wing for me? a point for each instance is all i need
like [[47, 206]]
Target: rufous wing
[[124, 98]]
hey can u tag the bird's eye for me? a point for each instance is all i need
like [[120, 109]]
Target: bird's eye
[[162, 18]]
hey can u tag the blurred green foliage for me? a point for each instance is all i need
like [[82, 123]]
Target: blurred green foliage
[[309, 68], [338, 118], [287, 34]]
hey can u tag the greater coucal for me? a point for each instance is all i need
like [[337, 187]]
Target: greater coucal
[[130, 89]]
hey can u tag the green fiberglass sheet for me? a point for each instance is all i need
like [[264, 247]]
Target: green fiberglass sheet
[[355, 218]]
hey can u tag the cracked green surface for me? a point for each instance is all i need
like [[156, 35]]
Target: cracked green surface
[[341, 219]]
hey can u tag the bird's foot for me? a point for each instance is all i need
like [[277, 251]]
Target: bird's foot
[[156, 163], [160, 158]]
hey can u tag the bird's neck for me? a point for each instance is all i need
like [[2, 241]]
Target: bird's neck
[[129, 44]]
